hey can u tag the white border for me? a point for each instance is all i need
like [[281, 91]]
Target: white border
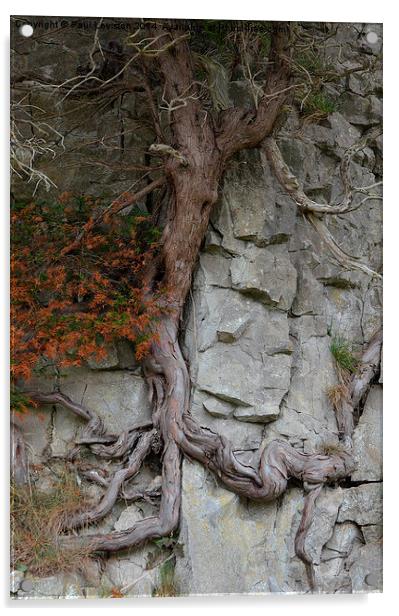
[[290, 10]]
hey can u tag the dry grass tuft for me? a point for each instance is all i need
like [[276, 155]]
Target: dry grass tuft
[[167, 585], [337, 394], [331, 449], [37, 518]]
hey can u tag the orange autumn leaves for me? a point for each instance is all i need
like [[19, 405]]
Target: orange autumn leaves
[[66, 308]]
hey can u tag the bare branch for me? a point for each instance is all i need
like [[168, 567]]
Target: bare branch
[[240, 128], [348, 261], [311, 209], [291, 184], [56, 397], [115, 207]]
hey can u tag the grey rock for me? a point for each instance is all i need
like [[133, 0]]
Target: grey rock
[[367, 439], [35, 427], [331, 577], [92, 592], [16, 578], [118, 397], [222, 221], [299, 155], [215, 522], [50, 587], [309, 296], [372, 533], [372, 310], [64, 431], [313, 372], [27, 586], [262, 414], [215, 270], [243, 381], [213, 241], [344, 134], [361, 111], [249, 193], [233, 322], [256, 211], [362, 504], [243, 435], [126, 357], [72, 591], [322, 525], [266, 274], [342, 539], [128, 572], [217, 408], [365, 568]]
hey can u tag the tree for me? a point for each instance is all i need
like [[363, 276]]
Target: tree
[[147, 274]]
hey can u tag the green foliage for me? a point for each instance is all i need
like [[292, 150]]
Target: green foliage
[[319, 103], [343, 354], [164, 557], [167, 585], [165, 543], [310, 61], [19, 402]]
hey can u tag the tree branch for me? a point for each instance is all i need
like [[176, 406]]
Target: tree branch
[[240, 128], [292, 186], [115, 208], [311, 209]]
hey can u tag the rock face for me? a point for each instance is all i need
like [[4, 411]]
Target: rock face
[[367, 439], [266, 299], [242, 539], [258, 338]]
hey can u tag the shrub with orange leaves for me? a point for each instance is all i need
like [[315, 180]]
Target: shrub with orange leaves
[[67, 306]]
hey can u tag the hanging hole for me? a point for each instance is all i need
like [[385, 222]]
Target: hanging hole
[[372, 38], [26, 30]]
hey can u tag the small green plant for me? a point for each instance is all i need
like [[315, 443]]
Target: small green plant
[[311, 61], [343, 354], [167, 585], [319, 103]]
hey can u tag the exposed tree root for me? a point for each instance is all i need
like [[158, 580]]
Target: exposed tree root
[[306, 520], [265, 480], [313, 210], [110, 497]]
